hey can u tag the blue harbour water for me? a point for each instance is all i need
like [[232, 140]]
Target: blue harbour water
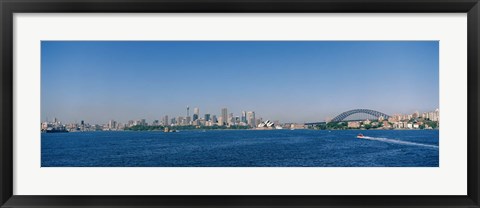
[[242, 148]]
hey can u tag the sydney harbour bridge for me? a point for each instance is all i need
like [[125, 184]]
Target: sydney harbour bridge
[[355, 115]]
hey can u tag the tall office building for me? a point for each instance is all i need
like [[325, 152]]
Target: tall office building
[[230, 119], [251, 118], [180, 120], [236, 120], [82, 125], [165, 120], [220, 121], [224, 116], [196, 112], [112, 124], [207, 117], [244, 117]]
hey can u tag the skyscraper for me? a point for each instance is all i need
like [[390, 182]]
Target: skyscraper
[[165, 120], [251, 118], [244, 117], [207, 117], [230, 119], [112, 124], [224, 116], [196, 112]]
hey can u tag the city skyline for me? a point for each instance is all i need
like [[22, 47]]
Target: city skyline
[[245, 117], [291, 81]]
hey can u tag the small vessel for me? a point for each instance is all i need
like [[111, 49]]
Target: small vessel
[[166, 130], [360, 136]]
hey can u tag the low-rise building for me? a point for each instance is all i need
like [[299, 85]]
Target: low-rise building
[[353, 124]]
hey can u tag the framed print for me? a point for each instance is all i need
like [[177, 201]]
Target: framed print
[[246, 104]]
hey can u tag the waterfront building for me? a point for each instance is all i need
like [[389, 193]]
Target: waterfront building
[[410, 125], [380, 118], [188, 120], [244, 117], [436, 115], [230, 119], [258, 120], [392, 119], [386, 125], [180, 120], [353, 124], [45, 125], [196, 112], [297, 126], [208, 123], [196, 122], [201, 122], [251, 118], [220, 121], [236, 120], [214, 119], [416, 114], [224, 116], [207, 117], [165, 120], [112, 124], [131, 123]]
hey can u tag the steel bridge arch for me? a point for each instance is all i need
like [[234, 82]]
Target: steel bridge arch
[[355, 111]]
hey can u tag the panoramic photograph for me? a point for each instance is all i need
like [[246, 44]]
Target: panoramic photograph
[[240, 104]]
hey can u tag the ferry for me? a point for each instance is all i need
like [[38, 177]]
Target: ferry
[[55, 130], [166, 130], [360, 136]]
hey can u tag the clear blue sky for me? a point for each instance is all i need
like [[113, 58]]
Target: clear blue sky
[[290, 81]]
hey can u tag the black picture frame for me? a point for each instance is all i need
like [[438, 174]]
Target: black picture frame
[[9, 7]]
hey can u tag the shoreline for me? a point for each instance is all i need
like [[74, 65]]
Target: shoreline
[[204, 130]]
